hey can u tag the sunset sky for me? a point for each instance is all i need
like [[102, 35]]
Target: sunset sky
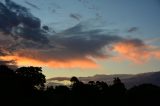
[[81, 37]]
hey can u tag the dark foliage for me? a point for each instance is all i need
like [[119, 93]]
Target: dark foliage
[[25, 87]]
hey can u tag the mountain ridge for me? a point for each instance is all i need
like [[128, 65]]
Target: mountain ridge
[[129, 80]]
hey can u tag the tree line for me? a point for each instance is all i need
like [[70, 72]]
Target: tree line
[[25, 86]]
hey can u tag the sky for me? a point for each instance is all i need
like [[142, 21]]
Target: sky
[[81, 37]]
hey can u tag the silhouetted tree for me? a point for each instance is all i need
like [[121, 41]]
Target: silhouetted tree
[[143, 95], [74, 80], [91, 82], [116, 81], [118, 87], [23, 87], [30, 79], [117, 92], [102, 85], [7, 81]]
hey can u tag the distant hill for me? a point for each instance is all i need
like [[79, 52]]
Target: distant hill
[[128, 79]]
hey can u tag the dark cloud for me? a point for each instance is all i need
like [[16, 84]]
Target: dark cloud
[[71, 44], [75, 16], [11, 64], [135, 42], [15, 7], [8, 19], [3, 52], [19, 29], [132, 29], [32, 5], [31, 41], [37, 35], [7, 62], [45, 27], [74, 44], [16, 20]]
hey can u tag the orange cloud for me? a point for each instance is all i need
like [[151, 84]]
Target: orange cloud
[[25, 61], [136, 53], [134, 50]]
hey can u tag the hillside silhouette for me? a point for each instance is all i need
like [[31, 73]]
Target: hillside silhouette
[[129, 80], [25, 86]]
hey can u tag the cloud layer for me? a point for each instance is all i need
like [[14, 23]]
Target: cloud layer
[[17, 21], [23, 41], [136, 51]]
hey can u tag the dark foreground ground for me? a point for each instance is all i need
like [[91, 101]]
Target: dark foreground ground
[[25, 87]]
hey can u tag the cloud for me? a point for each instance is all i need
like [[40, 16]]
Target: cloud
[[18, 29], [23, 41], [11, 63], [17, 21], [136, 51], [75, 16], [30, 60], [79, 48], [78, 43], [132, 29]]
